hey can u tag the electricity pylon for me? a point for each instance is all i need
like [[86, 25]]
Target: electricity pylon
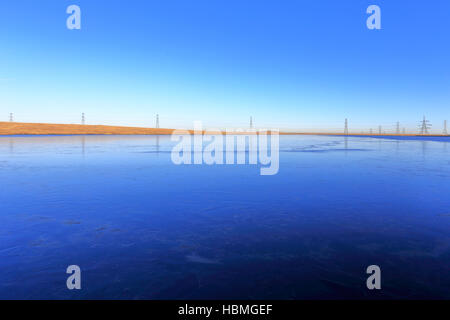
[[379, 129], [83, 119], [11, 117], [398, 128], [157, 121], [251, 123], [445, 132], [346, 126], [424, 126]]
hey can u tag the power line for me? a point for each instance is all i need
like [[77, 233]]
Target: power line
[[424, 126]]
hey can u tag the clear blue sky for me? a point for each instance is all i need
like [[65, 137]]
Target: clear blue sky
[[289, 64]]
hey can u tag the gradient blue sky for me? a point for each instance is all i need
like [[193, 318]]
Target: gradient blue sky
[[291, 64]]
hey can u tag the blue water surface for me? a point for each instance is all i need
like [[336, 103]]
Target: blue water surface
[[141, 227]]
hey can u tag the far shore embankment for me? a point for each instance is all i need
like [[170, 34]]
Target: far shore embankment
[[19, 128]]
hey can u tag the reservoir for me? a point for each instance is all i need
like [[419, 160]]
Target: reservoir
[[141, 227]]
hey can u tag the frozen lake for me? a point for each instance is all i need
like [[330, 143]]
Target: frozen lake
[[141, 227]]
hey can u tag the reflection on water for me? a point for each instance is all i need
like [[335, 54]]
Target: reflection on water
[[346, 145], [157, 144], [142, 227], [11, 145]]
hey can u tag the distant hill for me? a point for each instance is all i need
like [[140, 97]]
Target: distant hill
[[17, 128]]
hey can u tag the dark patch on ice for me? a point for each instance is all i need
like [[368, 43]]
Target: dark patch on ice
[[198, 259], [71, 222], [323, 150]]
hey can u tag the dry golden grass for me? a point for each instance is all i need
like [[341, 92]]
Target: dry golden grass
[[17, 128]]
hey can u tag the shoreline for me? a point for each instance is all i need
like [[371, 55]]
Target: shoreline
[[35, 129]]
